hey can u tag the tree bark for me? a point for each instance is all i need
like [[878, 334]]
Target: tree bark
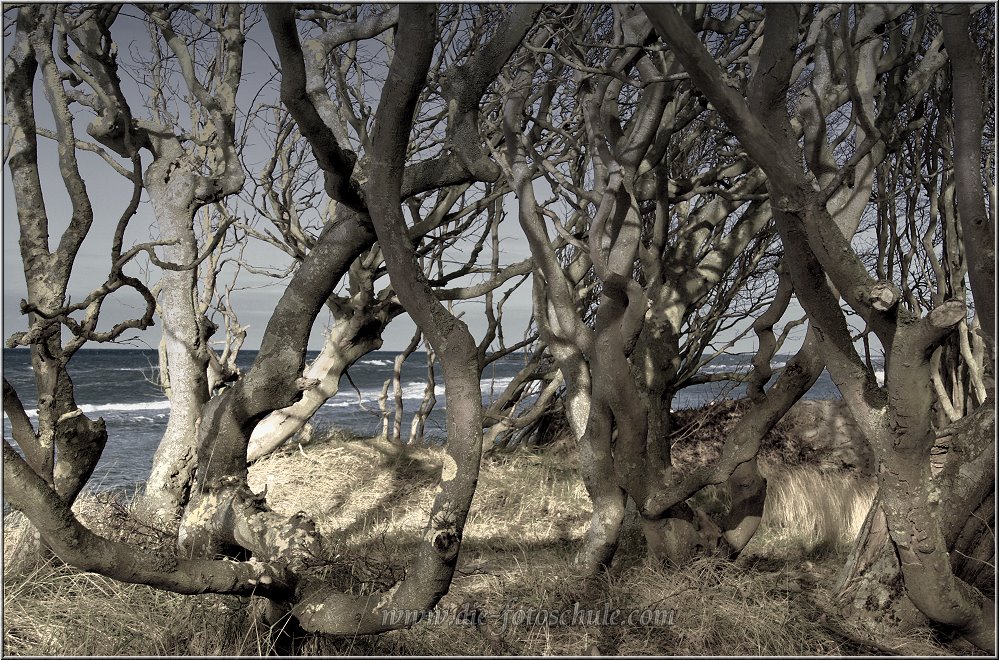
[[171, 186], [427, 404], [78, 546], [968, 106]]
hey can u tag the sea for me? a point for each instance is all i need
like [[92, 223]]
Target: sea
[[121, 385]]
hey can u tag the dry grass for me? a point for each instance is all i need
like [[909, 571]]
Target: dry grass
[[56, 610], [809, 512], [370, 499]]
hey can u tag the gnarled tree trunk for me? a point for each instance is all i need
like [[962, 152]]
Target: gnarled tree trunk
[[171, 186]]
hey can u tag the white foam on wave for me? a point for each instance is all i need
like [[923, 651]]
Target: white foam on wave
[[416, 390], [497, 384], [412, 391], [337, 402], [89, 408], [347, 398], [719, 368], [116, 407], [494, 387], [378, 363]]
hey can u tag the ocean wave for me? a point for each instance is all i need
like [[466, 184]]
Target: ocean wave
[[337, 402], [741, 368], [378, 363], [417, 389], [89, 408], [495, 385], [719, 368], [124, 407], [412, 391]]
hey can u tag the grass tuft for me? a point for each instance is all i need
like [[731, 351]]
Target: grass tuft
[[812, 513]]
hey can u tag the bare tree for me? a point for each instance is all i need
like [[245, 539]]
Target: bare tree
[[896, 419], [441, 216], [190, 169], [222, 516], [969, 122], [66, 445], [655, 156], [665, 225]]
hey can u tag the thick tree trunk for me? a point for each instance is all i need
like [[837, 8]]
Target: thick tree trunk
[[75, 544], [577, 388], [872, 579], [608, 498], [612, 450], [748, 491], [870, 585], [171, 188], [973, 554], [969, 118]]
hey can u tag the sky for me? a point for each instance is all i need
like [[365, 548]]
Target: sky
[[258, 294]]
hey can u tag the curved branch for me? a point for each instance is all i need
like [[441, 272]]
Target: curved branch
[[76, 545], [336, 162]]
